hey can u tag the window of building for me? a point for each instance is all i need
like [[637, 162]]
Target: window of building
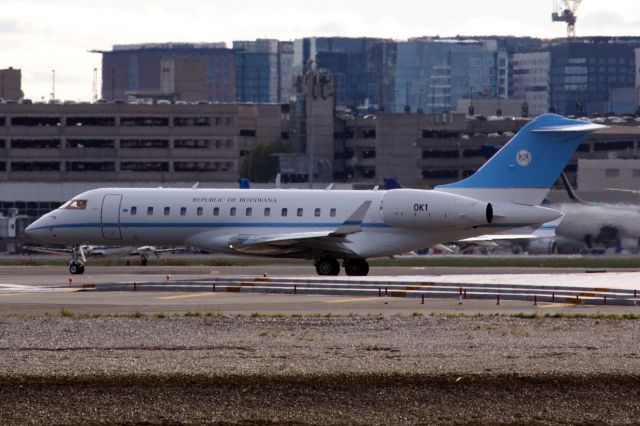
[[90, 166], [144, 143], [144, 166], [300, 211], [36, 121], [90, 143], [144, 121], [183, 211], [35, 166], [91, 121], [134, 210], [317, 212], [167, 211], [284, 212], [267, 211], [35, 143], [612, 173], [199, 211], [191, 143], [232, 212], [332, 212], [149, 211], [248, 211], [216, 211]]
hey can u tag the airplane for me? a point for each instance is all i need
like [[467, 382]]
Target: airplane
[[329, 225], [85, 251], [590, 225]]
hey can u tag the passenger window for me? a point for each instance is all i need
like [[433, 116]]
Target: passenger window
[[317, 213], [167, 211], [248, 211], [232, 212], [183, 211], [267, 211], [332, 212], [149, 211], [216, 211], [299, 211], [199, 211], [134, 210], [284, 212]]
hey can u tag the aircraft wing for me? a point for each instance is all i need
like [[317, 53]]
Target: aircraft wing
[[546, 230], [311, 243], [46, 250]]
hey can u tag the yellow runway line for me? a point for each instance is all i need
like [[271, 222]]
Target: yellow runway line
[[354, 299], [186, 296], [555, 305]]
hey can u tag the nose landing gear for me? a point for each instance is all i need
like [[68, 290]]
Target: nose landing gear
[[76, 267]]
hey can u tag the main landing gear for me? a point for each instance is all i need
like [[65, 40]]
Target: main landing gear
[[76, 267], [352, 267]]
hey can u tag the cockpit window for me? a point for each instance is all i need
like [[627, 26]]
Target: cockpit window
[[75, 205]]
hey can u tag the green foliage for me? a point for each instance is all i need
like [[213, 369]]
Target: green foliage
[[261, 164], [64, 312]]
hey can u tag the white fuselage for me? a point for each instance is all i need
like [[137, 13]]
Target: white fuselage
[[210, 218]]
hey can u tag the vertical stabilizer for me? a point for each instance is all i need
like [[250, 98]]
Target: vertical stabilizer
[[524, 169]]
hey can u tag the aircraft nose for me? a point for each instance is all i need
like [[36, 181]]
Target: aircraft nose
[[39, 227]]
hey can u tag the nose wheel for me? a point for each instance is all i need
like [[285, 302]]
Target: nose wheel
[[76, 267]]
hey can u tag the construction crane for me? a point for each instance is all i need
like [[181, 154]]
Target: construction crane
[[565, 11]]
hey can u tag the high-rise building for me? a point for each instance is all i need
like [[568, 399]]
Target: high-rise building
[[10, 84], [345, 58], [257, 71], [285, 64], [585, 73], [531, 80], [433, 74], [184, 79], [137, 69]]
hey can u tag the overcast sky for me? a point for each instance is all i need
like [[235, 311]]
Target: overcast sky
[[40, 35]]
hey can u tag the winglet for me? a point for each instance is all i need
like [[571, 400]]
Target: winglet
[[569, 188], [353, 222]]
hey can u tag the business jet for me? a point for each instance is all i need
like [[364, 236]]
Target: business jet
[[596, 226], [329, 225]]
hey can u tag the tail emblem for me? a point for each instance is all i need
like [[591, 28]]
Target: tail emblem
[[523, 158]]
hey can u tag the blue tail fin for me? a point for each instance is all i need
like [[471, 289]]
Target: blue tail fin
[[532, 160]]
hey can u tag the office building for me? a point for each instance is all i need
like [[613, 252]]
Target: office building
[[10, 84], [137, 69], [347, 59]]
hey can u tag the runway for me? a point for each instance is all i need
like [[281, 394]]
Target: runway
[[287, 290]]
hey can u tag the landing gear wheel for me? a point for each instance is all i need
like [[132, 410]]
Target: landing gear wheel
[[76, 268], [356, 267], [144, 261], [327, 266]]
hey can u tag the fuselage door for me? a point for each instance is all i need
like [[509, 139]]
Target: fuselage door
[[110, 217]]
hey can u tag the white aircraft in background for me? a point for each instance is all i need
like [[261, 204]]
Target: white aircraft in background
[[329, 225], [591, 225], [84, 251]]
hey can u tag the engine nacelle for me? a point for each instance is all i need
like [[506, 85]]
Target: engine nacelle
[[414, 208]]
